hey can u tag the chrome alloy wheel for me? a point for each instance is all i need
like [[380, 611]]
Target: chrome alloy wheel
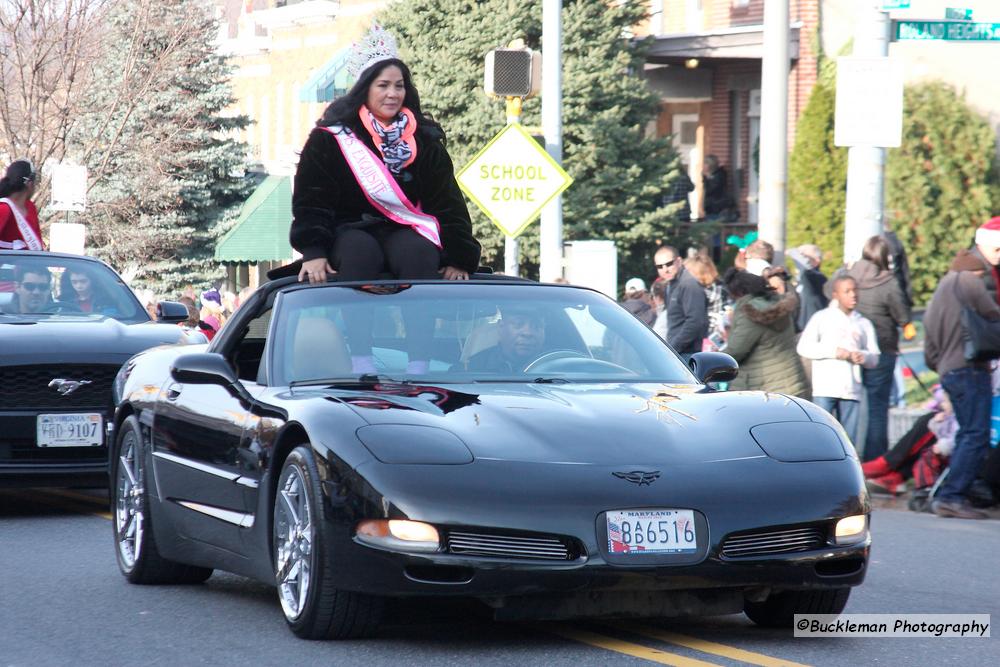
[[129, 516], [293, 543]]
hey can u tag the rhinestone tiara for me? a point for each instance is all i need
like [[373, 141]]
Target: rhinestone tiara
[[375, 46]]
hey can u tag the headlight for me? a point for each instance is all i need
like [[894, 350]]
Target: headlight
[[399, 534], [851, 529]]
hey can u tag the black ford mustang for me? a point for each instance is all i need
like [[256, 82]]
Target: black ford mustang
[[532, 446], [67, 324]]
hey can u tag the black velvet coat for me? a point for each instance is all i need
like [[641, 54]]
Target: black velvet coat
[[327, 196]]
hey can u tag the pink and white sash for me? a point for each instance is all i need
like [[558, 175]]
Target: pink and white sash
[[381, 189], [31, 240]]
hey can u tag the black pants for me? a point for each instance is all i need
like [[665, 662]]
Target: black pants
[[369, 251], [372, 250]]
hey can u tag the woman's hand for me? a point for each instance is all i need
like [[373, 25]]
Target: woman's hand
[[453, 273], [316, 270]]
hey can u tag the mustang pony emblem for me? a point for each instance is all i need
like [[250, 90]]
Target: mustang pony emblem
[[639, 477], [65, 387]]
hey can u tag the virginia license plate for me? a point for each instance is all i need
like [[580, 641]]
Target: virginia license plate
[[660, 531], [78, 430]]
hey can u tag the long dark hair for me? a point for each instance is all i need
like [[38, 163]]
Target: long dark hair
[[19, 174], [344, 109]]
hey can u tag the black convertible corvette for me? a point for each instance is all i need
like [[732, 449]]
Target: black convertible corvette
[[554, 459], [67, 324]]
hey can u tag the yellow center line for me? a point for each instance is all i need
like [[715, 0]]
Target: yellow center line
[[627, 648], [57, 503], [707, 647], [82, 497]]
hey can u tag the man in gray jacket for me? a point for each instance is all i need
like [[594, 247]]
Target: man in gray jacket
[[687, 307], [967, 382]]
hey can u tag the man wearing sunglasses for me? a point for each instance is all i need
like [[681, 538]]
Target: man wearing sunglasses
[[687, 308], [33, 289]]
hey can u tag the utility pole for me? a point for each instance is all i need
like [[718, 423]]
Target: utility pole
[[511, 246], [863, 216], [551, 232], [774, 126]]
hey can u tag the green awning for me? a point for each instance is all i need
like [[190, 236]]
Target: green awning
[[261, 232], [328, 81]]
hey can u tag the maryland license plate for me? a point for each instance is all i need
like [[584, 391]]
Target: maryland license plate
[[657, 531], [69, 430]]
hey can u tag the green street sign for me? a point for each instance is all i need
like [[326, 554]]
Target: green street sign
[[954, 14], [950, 31]]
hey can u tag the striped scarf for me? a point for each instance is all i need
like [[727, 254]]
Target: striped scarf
[[394, 141]]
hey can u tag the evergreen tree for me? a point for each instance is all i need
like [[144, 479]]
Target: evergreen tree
[[620, 175], [941, 181], [166, 171], [817, 174]]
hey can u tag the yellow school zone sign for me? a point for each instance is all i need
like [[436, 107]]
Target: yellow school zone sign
[[512, 179]]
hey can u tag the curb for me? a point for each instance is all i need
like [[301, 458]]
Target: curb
[[899, 504]]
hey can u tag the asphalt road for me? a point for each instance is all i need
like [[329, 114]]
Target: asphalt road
[[63, 602]]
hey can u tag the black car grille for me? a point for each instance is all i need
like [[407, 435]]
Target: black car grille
[[774, 542], [497, 545], [27, 387]]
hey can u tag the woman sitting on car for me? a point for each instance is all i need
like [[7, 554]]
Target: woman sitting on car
[[375, 192]]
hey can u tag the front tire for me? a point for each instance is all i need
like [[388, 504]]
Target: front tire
[[135, 546], [779, 609], [304, 566]]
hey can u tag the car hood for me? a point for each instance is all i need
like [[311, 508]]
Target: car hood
[[106, 340], [581, 424]]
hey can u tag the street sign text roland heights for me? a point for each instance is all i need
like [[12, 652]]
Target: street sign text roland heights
[[951, 31], [512, 179]]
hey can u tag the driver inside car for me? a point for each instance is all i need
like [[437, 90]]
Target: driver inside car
[[33, 288], [521, 336]]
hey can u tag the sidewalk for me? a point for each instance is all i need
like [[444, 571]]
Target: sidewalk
[[898, 503]]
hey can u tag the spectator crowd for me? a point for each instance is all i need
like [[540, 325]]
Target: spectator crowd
[[836, 341]]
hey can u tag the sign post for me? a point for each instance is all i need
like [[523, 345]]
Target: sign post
[[861, 78], [69, 193], [512, 179]]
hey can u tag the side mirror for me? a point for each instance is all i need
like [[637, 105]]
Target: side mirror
[[171, 312], [714, 367], [203, 368]]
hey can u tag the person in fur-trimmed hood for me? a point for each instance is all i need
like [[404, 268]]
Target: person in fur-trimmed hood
[[762, 337]]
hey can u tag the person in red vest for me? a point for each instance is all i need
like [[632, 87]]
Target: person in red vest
[[19, 229]]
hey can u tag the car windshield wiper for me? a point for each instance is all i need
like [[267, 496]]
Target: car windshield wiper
[[366, 378], [545, 380]]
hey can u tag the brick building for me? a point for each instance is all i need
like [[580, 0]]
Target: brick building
[[705, 62]]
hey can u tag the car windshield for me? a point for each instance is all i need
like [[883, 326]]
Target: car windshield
[[35, 287], [469, 332]]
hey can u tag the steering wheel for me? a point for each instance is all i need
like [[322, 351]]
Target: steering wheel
[[538, 364]]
